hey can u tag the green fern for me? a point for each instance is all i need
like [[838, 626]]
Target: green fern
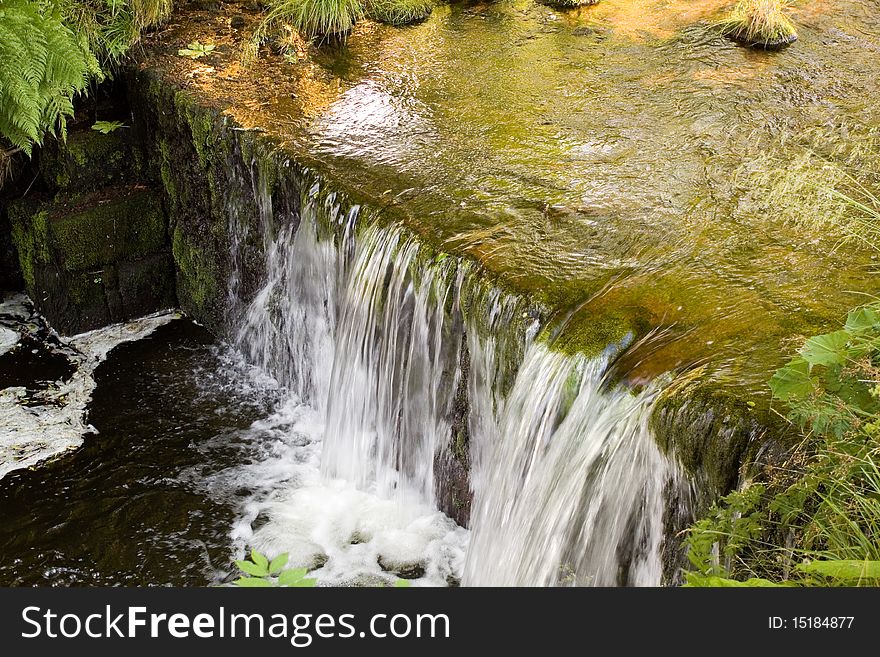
[[43, 65], [50, 50]]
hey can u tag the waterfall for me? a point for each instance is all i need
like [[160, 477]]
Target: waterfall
[[366, 332], [570, 486]]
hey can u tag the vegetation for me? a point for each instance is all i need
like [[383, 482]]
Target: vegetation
[[196, 49], [106, 127], [761, 23], [399, 12], [817, 521], [50, 51], [312, 18], [259, 571]]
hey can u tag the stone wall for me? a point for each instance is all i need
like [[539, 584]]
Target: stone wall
[[92, 244]]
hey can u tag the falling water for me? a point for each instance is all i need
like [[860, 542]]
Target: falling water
[[364, 330], [569, 490]]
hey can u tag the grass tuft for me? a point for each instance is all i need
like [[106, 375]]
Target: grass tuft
[[312, 18], [760, 23], [399, 12]]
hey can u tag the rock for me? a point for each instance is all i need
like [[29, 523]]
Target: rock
[[237, 22], [97, 259], [88, 161]]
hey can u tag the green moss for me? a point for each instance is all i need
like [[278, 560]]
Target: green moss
[[592, 334], [30, 230], [165, 173], [202, 126], [87, 161], [197, 278], [131, 227], [712, 429]]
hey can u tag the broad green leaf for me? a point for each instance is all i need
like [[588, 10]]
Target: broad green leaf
[[846, 570], [252, 582], [792, 381], [862, 319], [252, 569], [306, 582], [828, 349], [402, 584], [714, 581], [106, 127], [260, 559], [278, 563], [292, 576]]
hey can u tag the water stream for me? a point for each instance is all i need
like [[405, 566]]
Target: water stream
[[363, 330]]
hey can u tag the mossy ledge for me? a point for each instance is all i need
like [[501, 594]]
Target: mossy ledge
[[224, 185]]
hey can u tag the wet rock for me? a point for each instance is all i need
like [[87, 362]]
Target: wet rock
[[404, 570], [91, 260]]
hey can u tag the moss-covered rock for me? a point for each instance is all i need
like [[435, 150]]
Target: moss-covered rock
[[197, 277], [125, 227], [88, 161], [10, 268], [98, 259], [712, 432], [29, 228], [147, 285]]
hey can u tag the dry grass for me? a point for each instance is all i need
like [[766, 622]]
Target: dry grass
[[760, 22]]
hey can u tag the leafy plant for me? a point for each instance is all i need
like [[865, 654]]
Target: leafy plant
[[258, 571], [195, 50], [50, 50], [43, 65], [825, 510], [106, 127]]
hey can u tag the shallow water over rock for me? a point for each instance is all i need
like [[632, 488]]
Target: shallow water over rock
[[622, 163]]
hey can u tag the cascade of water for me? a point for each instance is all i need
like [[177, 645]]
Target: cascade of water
[[569, 488], [395, 370], [366, 334]]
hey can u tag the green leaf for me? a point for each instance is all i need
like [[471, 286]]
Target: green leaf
[[195, 50], [792, 381], [402, 584], [306, 582], [106, 127], [278, 563], [714, 581], [828, 349], [252, 582], [861, 320], [292, 576], [252, 569], [845, 570], [260, 559]]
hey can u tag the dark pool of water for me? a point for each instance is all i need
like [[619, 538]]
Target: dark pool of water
[[130, 507]]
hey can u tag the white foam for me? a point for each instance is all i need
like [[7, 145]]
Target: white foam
[[49, 422], [8, 339]]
